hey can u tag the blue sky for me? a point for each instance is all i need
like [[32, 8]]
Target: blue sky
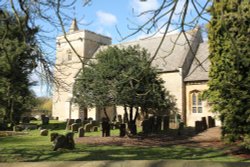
[[103, 16]]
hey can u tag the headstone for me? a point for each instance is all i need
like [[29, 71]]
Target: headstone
[[198, 126], [45, 120], [95, 128], [88, 127], [17, 128], [78, 121], [44, 132], [94, 123], [180, 128], [74, 127], [61, 141], [204, 123], [70, 143], [69, 123], [122, 130], [211, 122], [81, 132]]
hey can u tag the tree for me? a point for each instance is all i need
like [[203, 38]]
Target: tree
[[123, 77], [229, 85], [17, 62]]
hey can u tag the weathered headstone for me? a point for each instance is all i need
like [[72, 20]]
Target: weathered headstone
[[44, 132], [204, 123], [198, 126], [69, 123], [61, 141], [17, 128], [88, 127], [211, 122], [122, 130], [45, 120], [95, 128], [180, 128], [81, 132], [74, 127], [78, 121]]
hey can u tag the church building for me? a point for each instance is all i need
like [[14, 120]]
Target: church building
[[183, 64]]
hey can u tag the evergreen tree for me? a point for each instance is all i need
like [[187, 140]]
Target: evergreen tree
[[229, 85], [17, 60], [123, 77]]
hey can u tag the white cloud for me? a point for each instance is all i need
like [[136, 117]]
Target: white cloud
[[142, 6], [106, 19]]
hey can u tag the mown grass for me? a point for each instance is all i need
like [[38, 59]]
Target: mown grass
[[33, 147]]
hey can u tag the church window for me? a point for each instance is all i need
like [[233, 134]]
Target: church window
[[196, 102]]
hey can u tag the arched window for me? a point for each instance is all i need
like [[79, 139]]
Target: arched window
[[196, 102]]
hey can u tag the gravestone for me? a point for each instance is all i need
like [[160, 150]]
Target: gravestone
[[74, 127], [180, 128], [78, 121], [95, 128], [211, 122], [44, 132], [69, 123], [198, 126], [17, 128], [88, 127], [45, 120], [81, 132], [204, 123], [122, 130], [61, 141]]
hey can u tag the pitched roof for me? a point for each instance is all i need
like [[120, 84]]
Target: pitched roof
[[200, 65], [172, 53]]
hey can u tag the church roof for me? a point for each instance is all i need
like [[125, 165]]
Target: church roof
[[200, 65], [173, 51]]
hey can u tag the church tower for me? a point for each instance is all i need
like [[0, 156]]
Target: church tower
[[77, 45]]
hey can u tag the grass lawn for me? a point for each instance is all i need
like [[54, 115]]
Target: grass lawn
[[33, 147]]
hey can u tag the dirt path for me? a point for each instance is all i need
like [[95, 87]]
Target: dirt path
[[208, 138]]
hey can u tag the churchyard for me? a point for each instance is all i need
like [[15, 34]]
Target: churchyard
[[31, 145]]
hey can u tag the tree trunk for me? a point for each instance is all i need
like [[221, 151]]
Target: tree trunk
[[106, 114], [125, 118]]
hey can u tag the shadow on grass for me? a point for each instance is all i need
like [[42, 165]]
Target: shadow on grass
[[90, 153]]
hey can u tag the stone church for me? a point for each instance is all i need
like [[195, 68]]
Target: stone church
[[183, 68]]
